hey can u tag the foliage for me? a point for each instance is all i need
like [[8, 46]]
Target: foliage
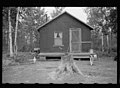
[[57, 11], [113, 19], [30, 18], [103, 20], [22, 58], [6, 25], [13, 11], [102, 17]]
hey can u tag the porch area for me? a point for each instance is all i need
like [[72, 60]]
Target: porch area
[[75, 55]]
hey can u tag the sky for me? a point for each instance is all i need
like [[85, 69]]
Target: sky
[[75, 11]]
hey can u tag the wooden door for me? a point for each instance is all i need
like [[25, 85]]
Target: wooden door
[[75, 40]]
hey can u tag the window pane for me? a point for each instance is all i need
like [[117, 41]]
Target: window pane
[[75, 36], [58, 38], [58, 41]]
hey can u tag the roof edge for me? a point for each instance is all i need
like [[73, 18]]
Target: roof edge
[[38, 28], [50, 20]]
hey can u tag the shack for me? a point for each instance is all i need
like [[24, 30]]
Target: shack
[[65, 33]]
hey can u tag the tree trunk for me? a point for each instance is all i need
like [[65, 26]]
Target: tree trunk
[[66, 67], [102, 43], [110, 41], [31, 40], [16, 28], [108, 45], [10, 37]]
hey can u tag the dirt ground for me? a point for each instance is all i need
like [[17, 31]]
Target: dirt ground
[[102, 72]]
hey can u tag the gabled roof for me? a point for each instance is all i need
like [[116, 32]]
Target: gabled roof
[[59, 16]]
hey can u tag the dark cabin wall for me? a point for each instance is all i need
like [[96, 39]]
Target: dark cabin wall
[[63, 23], [86, 34]]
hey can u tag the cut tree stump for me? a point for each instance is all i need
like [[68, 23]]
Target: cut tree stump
[[66, 67]]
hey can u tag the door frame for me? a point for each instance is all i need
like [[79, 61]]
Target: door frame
[[70, 38]]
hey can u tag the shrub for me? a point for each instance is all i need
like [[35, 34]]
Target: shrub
[[6, 62], [105, 54], [114, 48], [24, 57]]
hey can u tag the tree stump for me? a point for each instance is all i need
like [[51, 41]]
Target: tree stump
[[66, 67]]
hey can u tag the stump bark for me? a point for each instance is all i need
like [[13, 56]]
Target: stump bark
[[66, 67]]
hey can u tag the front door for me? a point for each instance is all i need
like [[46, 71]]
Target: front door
[[75, 40]]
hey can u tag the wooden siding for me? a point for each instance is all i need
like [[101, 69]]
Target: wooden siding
[[61, 24], [86, 34], [86, 47]]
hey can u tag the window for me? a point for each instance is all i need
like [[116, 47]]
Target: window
[[58, 39]]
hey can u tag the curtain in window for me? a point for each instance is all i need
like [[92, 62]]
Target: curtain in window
[[58, 38]]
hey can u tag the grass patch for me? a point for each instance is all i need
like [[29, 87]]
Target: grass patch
[[21, 58]]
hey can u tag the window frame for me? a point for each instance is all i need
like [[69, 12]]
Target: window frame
[[54, 45]]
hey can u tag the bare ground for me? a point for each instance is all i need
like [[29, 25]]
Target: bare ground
[[102, 72]]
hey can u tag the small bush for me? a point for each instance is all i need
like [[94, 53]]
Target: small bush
[[6, 62], [24, 57], [114, 48], [105, 54]]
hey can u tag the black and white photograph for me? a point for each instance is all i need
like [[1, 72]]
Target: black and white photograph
[[58, 45]]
